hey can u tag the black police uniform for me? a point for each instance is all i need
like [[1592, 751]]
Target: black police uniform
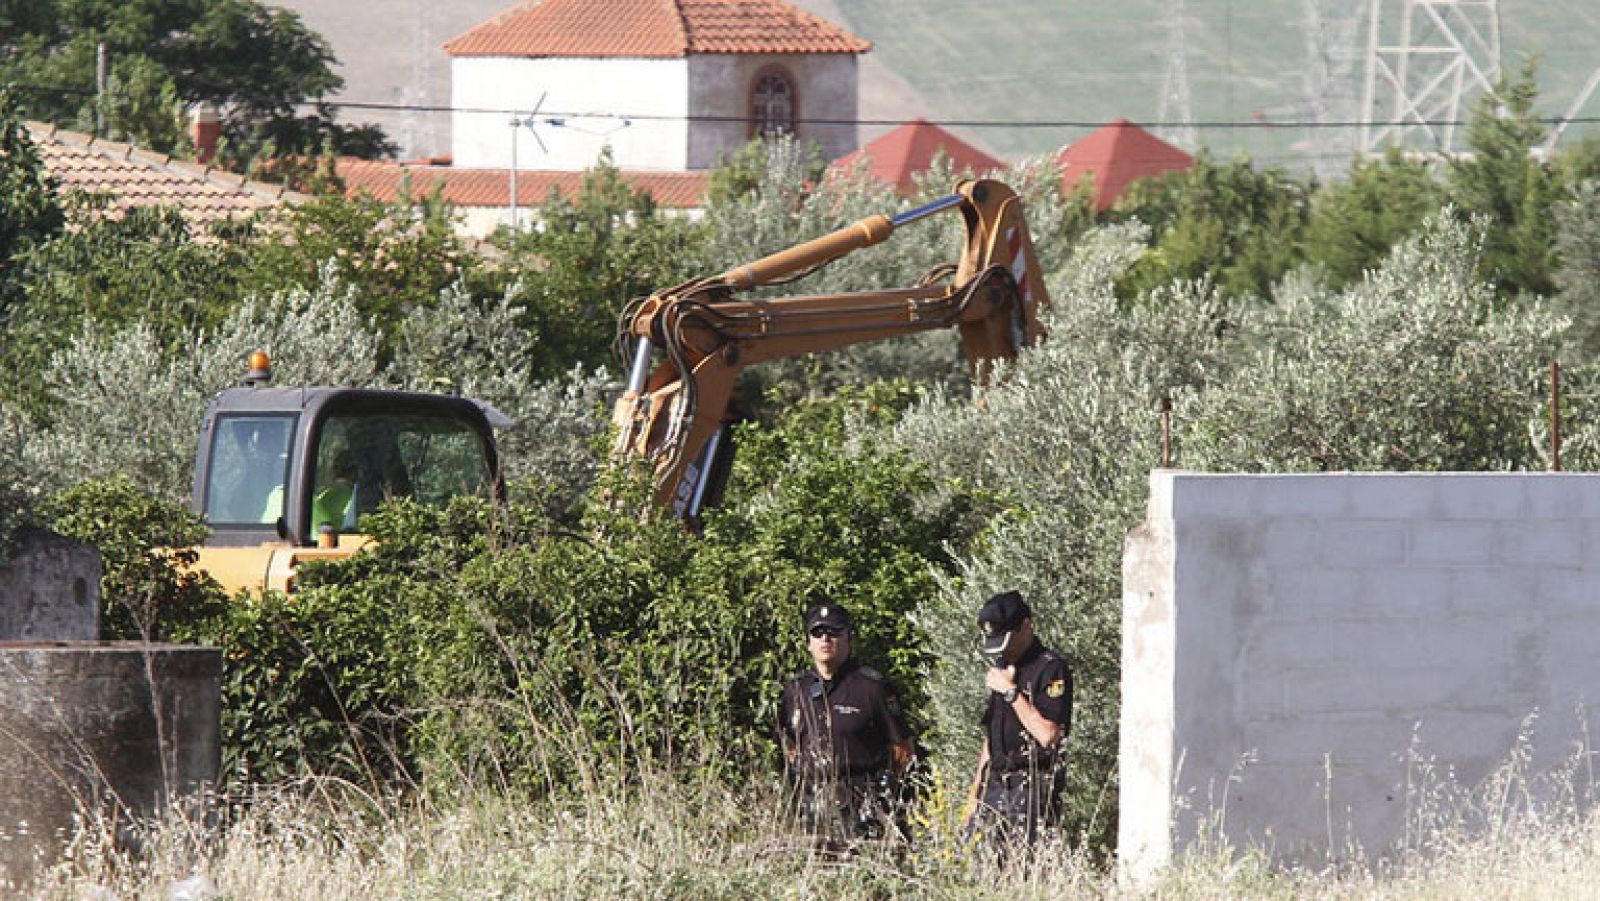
[[844, 730], [1019, 792]]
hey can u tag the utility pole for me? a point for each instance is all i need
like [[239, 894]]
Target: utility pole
[[102, 74]]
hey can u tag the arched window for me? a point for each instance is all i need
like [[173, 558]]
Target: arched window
[[772, 103]]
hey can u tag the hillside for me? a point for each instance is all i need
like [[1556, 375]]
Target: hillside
[[1247, 62]]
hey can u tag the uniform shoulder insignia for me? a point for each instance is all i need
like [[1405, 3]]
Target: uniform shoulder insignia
[[871, 673], [1056, 688]]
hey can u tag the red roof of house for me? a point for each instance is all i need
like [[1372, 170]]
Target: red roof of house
[[492, 187], [133, 177], [894, 158], [1116, 156], [653, 29]]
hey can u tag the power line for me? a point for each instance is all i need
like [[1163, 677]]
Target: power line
[[558, 118]]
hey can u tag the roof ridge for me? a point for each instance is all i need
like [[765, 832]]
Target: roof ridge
[[680, 22]]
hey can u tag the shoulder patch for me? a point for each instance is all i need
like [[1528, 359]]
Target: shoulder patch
[[1056, 688]]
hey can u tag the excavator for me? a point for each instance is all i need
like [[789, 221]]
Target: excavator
[[283, 475], [688, 344]]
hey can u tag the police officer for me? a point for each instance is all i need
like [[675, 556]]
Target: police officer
[[843, 734], [1025, 724]]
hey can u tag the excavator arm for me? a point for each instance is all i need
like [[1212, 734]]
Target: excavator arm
[[689, 343]]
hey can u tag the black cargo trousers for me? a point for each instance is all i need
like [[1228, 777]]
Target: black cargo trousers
[[857, 805], [1016, 807]]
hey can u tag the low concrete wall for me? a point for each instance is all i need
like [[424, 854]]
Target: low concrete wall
[[112, 732], [49, 589], [1294, 644]]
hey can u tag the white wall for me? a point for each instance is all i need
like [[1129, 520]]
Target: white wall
[[1289, 642], [621, 86], [825, 88]]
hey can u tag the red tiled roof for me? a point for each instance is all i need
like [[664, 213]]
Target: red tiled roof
[[135, 177], [492, 187], [653, 29], [894, 158], [1116, 156]]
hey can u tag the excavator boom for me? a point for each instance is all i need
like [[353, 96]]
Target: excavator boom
[[689, 343]]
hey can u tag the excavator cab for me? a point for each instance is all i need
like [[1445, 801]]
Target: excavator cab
[[284, 474]]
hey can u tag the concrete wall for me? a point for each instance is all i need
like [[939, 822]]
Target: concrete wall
[[1292, 642], [111, 732], [49, 589], [657, 87]]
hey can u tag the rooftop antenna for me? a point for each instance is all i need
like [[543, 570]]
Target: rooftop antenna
[[517, 124], [1425, 60], [1176, 113]]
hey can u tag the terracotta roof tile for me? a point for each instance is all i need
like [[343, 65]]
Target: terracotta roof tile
[[653, 29], [492, 187], [897, 156], [134, 177], [1114, 157]]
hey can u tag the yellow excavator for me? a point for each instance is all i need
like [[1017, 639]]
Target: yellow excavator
[[687, 344], [283, 475]]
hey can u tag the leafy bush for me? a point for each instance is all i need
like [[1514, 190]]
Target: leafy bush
[[145, 592], [1320, 388]]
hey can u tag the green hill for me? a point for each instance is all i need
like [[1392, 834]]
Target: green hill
[[1251, 63]]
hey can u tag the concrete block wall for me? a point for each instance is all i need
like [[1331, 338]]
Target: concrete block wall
[[1293, 644]]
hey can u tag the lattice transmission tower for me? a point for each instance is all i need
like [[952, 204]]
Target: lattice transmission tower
[[1175, 115], [1335, 50], [1426, 61]]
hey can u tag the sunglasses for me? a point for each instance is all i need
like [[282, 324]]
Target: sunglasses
[[819, 631]]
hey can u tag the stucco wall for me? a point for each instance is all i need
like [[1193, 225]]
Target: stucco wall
[[638, 87], [1294, 644], [825, 88]]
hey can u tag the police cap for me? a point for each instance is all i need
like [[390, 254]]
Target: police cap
[[829, 616]]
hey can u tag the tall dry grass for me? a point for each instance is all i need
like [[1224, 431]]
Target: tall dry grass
[[660, 834]]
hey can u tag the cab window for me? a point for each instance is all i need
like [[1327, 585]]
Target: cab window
[[249, 464], [366, 458]]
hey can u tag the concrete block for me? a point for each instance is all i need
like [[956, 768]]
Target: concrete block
[[1291, 542], [1315, 592], [1468, 543], [1559, 591], [1562, 495], [1473, 496], [1365, 737], [1394, 687], [1308, 498], [1358, 544], [1414, 592], [1499, 590], [1200, 496], [1382, 495], [1540, 542]]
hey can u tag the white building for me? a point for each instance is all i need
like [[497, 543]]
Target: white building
[[669, 85]]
